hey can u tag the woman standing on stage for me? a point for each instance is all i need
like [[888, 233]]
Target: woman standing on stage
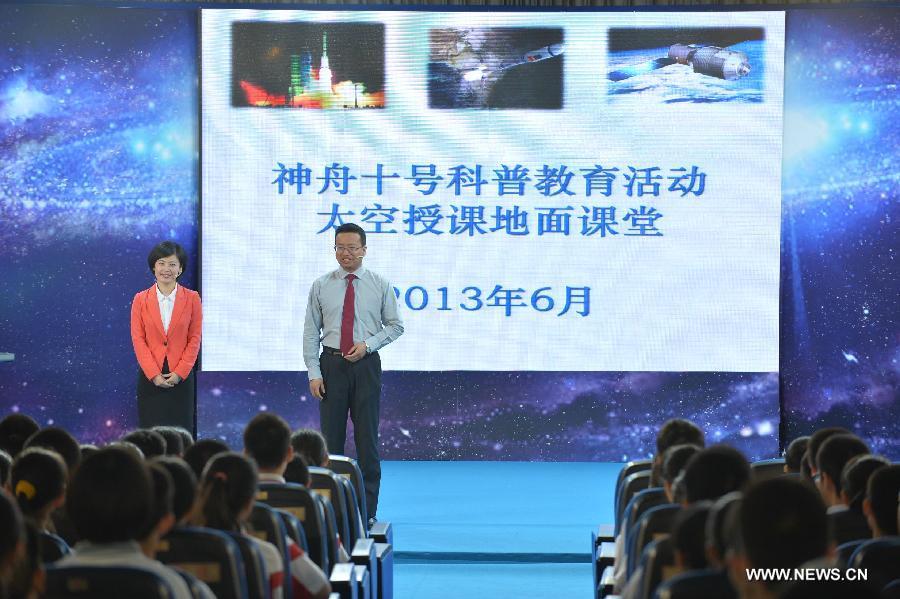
[[165, 330]]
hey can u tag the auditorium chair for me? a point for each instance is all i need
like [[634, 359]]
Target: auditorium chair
[[327, 484], [630, 486], [892, 590], [358, 528], [765, 469], [266, 524], [845, 551], [629, 469], [303, 505], [294, 529], [655, 522], [254, 567], [331, 535], [52, 547], [349, 468], [880, 558], [384, 553], [640, 503], [343, 581], [697, 584], [102, 582], [210, 555], [363, 554], [191, 581], [658, 561]]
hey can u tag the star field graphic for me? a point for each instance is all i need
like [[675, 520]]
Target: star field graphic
[[98, 162]]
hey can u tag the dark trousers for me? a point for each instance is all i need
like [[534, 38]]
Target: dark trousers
[[170, 407], [354, 387]]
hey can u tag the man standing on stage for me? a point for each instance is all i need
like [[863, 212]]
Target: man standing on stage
[[353, 313]]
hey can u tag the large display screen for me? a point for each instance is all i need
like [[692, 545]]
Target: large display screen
[[545, 191]]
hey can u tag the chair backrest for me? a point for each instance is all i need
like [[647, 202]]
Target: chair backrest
[[697, 584], [294, 529], [892, 590], [349, 468], [328, 484], [303, 505], [658, 561], [192, 582], [358, 527], [254, 566], [630, 486], [629, 469], [765, 469], [880, 558], [210, 555], [52, 547], [99, 582], [267, 525], [640, 503], [845, 550], [654, 523], [331, 530]]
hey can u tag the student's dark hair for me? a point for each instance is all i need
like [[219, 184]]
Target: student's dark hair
[[351, 228], [229, 484], [163, 496], [174, 440], [782, 523], [186, 436], [816, 440], [805, 466], [164, 250], [198, 454], [715, 471], [5, 467], [60, 441], [22, 581], [882, 491], [855, 477], [297, 471], [793, 455], [311, 445], [678, 431], [38, 477], [716, 532], [267, 439], [674, 460], [129, 447], [110, 496], [689, 534], [835, 452], [12, 525], [15, 430], [150, 442], [184, 484], [87, 449]]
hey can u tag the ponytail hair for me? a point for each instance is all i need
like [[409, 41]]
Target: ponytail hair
[[38, 477], [228, 485]]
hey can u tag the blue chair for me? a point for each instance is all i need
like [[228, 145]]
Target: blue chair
[[880, 558], [210, 555], [101, 582], [254, 567], [52, 547], [701, 584], [308, 508]]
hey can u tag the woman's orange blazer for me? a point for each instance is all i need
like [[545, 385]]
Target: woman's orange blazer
[[152, 344]]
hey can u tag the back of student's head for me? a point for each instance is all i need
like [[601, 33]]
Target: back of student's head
[[675, 459], [187, 438], [15, 430], [881, 493], [267, 439], [689, 535], [678, 431], [6, 462], [39, 478], [311, 445], [297, 471], [782, 523], [174, 439], [793, 455], [110, 496], [163, 497], [855, 478], [717, 533], [60, 441], [150, 442], [184, 485], [835, 452], [198, 454], [715, 471], [816, 440], [228, 486]]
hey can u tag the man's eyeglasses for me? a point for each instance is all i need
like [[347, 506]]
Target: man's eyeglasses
[[340, 249]]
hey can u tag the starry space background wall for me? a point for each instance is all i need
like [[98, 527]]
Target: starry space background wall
[[99, 161]]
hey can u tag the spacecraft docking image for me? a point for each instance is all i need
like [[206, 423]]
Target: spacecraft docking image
[[712, 61]]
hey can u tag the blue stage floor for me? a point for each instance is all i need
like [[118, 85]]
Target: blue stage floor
[[494, 529]]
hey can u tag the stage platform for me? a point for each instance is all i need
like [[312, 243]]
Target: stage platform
[[495, 529]]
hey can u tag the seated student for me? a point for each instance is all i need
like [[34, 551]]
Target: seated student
[[60, 441], [12, 538], [267, 439], [720, 529], [110, 500], [5, 466], [310, 444], [674, 461], [173, 438], [815, 442], [150, 442], [198, 454], [227, 494], [689, 537], [676, 431], [855, 480], [14, 431], [39, 478], [28, 579], [793, 455], [833, 455], [184, 488], [186, 437], [297, 471], [880, 505]]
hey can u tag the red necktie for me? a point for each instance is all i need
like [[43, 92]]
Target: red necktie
[[347, 316]]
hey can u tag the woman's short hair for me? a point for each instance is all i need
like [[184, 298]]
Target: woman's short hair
[[164, 250]]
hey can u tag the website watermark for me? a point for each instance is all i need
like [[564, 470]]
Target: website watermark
[[807, 574]]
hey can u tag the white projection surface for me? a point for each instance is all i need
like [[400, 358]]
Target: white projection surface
[[546, 191]]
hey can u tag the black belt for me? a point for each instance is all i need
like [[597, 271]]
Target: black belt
[[336, 352]]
